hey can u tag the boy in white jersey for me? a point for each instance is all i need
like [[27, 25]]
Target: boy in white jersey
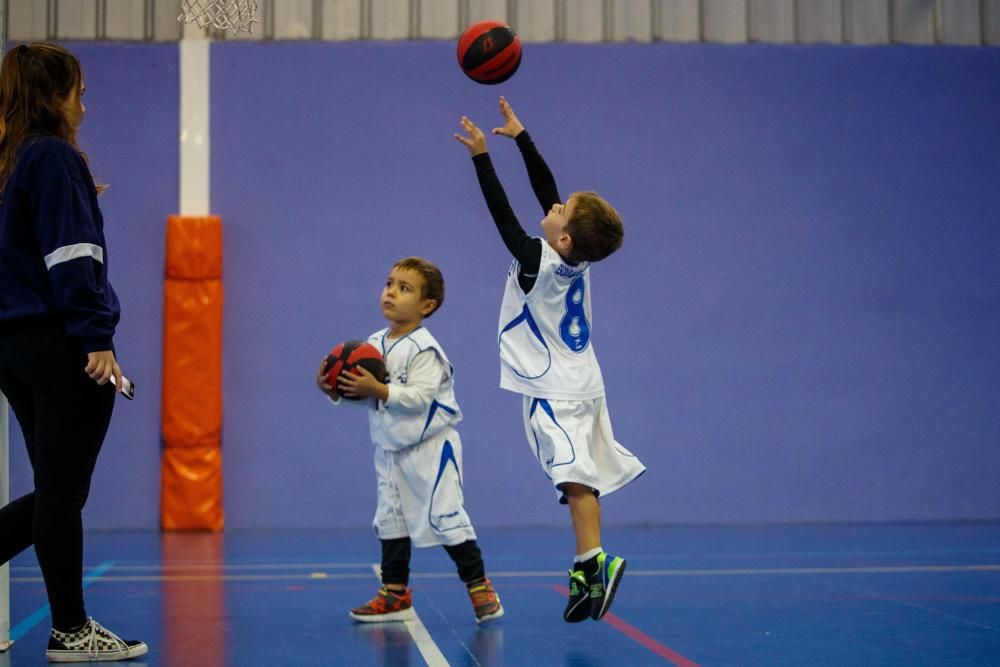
[[418, 453], [546, 354]]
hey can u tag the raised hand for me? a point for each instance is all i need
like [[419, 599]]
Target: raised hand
[[474, 138], [511, 125]]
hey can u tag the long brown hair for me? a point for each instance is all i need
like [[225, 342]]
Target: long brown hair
[[35, 81]]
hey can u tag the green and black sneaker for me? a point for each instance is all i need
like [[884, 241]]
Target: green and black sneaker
[[604, 582], [578, 605]]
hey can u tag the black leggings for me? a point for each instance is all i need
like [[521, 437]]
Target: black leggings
[[64, 416], [396, 561]]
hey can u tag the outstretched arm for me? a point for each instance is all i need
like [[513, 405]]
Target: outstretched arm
[[526, 250], [542, 180]]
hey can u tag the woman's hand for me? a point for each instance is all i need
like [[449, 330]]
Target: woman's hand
[[101, 367]]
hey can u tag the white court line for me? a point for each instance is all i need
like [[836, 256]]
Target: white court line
[[429, 651], [874, 569], [318, 573], [730, 572]]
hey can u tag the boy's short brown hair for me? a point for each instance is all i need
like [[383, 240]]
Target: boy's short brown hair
[[433, 280], [595, 227]]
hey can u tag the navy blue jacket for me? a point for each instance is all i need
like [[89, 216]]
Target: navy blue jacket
[[53, 257]]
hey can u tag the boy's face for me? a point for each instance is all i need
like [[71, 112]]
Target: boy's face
[[402, 301], [554, 226]]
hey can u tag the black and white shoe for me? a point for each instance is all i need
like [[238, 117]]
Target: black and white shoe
[[92, 643]]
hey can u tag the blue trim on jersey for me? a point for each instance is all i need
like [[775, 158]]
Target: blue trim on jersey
[[538, 447], [385, 352], [430, 415], [399, 340], [547, 408], [525, 316], [447, 456]]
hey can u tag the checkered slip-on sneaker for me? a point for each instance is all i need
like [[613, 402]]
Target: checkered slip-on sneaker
[[578, 604], [92, 643], [386, 607], [485, 601], [604, 582]]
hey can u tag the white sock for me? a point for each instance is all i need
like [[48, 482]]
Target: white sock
[[584, 557]]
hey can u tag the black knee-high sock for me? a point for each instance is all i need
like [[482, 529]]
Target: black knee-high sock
[[469, 561], [396, 561]]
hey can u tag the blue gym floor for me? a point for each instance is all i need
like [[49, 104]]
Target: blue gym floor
[[895, 594]]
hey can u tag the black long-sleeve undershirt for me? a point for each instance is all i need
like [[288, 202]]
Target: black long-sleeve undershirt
[[542, 180], [525, 249]]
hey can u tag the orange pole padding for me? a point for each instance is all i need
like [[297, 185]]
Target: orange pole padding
[[194, 247], [191, 479], [191, 409], [192, 373]]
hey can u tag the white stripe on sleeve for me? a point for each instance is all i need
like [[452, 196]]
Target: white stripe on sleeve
[[75, 251]]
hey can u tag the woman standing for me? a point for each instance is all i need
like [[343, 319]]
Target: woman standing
[[58, 314]]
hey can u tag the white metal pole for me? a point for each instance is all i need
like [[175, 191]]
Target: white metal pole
[[4, 445], [4, 499]]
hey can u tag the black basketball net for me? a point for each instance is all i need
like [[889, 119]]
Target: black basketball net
[[236, 15]]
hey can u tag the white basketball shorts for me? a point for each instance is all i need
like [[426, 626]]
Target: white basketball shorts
[[573, 442], [420, 493]]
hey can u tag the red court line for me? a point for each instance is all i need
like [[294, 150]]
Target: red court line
[[639, 636]]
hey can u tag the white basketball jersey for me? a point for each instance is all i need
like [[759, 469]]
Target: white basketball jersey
[[394, 428], [544, 336]]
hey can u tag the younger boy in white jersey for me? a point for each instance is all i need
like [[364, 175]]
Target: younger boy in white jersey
[[418, 453], [546, 354]]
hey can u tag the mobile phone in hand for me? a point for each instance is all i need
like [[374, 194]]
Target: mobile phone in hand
[[128, 387]]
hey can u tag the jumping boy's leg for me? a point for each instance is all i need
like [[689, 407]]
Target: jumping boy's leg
[[586, 514], [472, 571], [595, 575], [392, 602]]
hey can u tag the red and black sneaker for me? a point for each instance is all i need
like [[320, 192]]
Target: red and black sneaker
[[386, 607], [485, 601]]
